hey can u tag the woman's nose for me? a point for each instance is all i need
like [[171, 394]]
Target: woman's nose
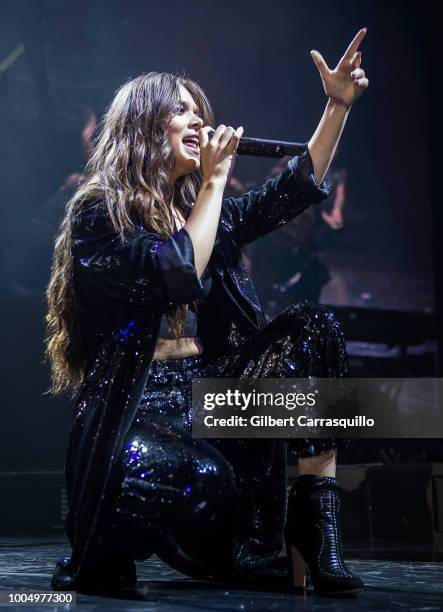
[[197, 121]]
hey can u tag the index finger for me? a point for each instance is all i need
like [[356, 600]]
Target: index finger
[[353, 47], [203, 134], [235, 139]]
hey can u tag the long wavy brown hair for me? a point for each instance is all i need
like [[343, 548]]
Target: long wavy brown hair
[[129, 171]]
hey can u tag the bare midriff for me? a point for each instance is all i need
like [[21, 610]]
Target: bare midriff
[[180, 348]]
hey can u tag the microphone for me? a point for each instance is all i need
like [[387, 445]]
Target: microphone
[[268, 148], [260, 147]]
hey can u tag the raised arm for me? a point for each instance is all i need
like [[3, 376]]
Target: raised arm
[[343, 86]]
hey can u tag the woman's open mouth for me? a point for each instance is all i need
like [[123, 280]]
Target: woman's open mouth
[[192, 145]]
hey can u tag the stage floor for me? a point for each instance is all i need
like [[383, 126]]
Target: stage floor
[[392, 582]]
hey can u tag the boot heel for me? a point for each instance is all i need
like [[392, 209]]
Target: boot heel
[[296, 567]]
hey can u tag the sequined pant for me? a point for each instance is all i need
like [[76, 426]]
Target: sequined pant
[[217, 507]]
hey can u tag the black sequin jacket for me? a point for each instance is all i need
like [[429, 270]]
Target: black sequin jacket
[[123, 288]]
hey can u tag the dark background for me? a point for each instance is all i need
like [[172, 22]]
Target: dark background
[[61, 61]]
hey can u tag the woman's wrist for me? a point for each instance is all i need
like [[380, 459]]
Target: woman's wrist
[[337, 107], [213, 183]]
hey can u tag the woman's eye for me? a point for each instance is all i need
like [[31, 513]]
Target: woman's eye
[[182, 109]]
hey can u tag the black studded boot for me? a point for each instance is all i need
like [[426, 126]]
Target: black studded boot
[[313, 536]]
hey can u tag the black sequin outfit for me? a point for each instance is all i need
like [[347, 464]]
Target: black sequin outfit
[[217, 507], [136, 480]]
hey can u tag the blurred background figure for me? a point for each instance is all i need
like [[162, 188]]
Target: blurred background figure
[[288, 267], [33, 264]]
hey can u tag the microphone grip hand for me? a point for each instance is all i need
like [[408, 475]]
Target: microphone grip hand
[[217, 152]]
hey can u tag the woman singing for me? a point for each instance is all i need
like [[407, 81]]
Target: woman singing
[[148, 291]]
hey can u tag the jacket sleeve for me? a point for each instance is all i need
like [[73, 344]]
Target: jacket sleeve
[[278, 201], [141, 268]]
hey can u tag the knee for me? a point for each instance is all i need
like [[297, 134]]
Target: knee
[[319, 336]]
